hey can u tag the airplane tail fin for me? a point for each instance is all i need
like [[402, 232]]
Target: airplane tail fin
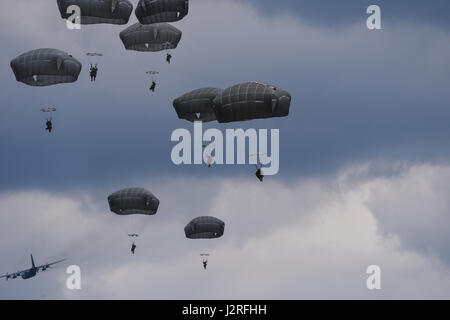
[[32, 262]]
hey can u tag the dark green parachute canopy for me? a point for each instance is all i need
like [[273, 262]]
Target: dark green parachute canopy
[[204, 228], [154, 11], [45, 67], [197, 105], [251, 100], [99, 11], [133, 201], [152, 37]]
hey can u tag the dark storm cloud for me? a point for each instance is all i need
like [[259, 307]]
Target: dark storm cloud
[[356, 94], [332, 14]]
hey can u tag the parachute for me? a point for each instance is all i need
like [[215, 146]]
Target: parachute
[[155, 37], [155, 11], [197, 105], [259, 167], [246, 101], [48, 121], [208, 149], [133, 237], [251, 100], [204, 228], [98, 11], [94, 58], [133, 201], [45, 67], [47, 110], [152, 74]]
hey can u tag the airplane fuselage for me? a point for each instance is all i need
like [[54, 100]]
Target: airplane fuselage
[[28, 274]]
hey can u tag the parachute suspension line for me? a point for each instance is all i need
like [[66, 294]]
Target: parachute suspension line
[[258, 155], [130, 228], [136, 228], [206, 248], [49, 111], [94, 58], [134, 232], [205, 253], [133, 237], [152, 74], [91, 63]]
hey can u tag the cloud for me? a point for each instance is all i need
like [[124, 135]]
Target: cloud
[[364, 158], [332, 14], [357, 94], [310, 239], [418, 210]]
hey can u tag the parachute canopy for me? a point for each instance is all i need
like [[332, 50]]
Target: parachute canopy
[[94, 54], [133, 201], [45, 67], [246, 101], [204, 228], [155, 11], [50, 109], [94, 57], [152, 74], [197, 105], [98, 11], [251, 100], [155, 37]]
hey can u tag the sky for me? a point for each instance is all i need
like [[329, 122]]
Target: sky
[[364, 156]]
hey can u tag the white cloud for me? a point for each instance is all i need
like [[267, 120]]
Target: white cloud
[[312, 239], [418, 210]]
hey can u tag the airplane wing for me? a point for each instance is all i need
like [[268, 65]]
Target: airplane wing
[[12, 275], [47, 265]]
